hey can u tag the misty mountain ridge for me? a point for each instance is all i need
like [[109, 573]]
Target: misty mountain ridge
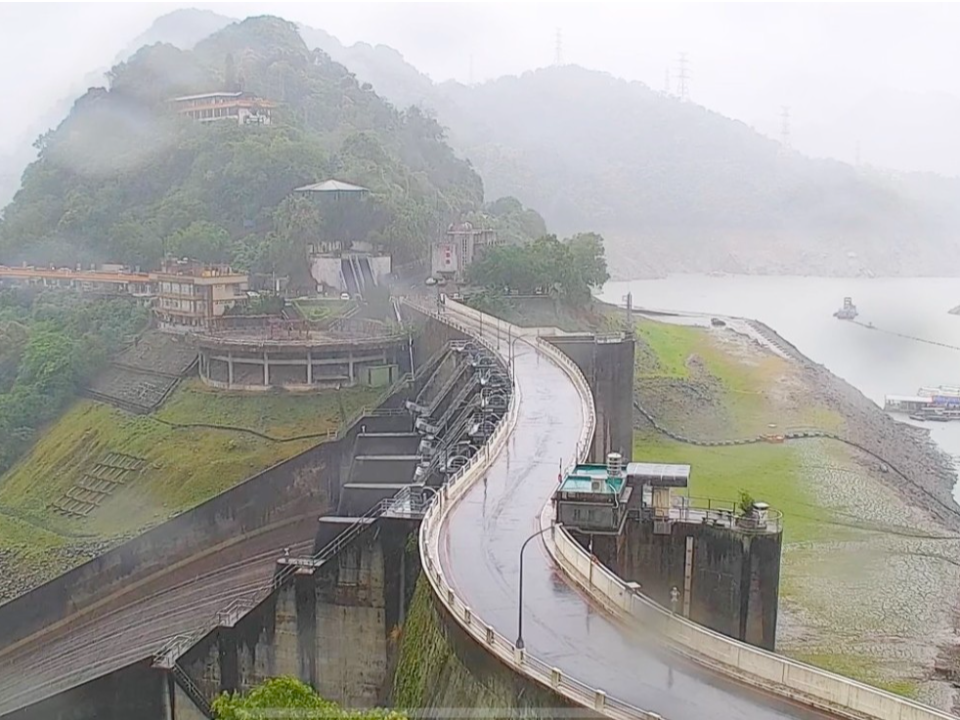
[[125, 179], [673, 186]]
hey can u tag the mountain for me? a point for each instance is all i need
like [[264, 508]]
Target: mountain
[[180, 28], [123, 178], [672, 186]]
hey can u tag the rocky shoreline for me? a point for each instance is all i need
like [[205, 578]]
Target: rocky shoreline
[[908, 451], [869, 582]]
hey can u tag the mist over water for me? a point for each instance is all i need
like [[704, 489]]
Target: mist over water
[[801, 310]]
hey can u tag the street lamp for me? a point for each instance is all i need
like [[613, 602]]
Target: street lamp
[[519, 643]]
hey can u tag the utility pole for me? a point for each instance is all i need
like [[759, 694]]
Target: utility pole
[[558, 49], [683, 79], [785, 127]]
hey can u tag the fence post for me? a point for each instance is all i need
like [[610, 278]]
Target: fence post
[[555, 677], [490, 635], [466, 615], [600, 700]]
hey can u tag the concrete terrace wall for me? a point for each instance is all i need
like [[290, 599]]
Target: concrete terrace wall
[[440, 667]]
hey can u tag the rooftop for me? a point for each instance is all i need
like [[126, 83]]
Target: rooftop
[[659, 474], [204, 96], [331, 186], [581, 478]]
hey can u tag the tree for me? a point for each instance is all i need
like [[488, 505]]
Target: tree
[[287, 693], [200, 240], [566, 269], [123, 171], [297, 223], [588, 253], [230, 73]]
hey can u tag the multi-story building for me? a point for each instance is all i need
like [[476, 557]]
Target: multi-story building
[[461, 245], [192, 295], [106, 280], [242, 108]]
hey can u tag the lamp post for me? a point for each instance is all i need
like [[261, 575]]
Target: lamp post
[[519, 643]]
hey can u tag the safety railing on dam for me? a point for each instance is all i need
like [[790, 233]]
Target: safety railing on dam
[[496, 643], [748, 665]]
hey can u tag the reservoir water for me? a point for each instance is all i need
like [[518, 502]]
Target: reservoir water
[[801, 309]]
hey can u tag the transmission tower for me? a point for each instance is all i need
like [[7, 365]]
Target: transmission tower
[[666, 82], [558, 49], [785, 127], [683, 78]]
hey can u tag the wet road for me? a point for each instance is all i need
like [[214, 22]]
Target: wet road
[[134, 625], [480, 556]]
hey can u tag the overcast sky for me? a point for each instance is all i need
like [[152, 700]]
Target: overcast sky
[[838, 66]]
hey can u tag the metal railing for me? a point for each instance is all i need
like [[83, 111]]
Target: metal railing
[[496, 643]]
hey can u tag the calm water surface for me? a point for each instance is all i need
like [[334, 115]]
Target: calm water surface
[[801, 310]]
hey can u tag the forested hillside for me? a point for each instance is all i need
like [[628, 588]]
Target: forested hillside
[[671, 185], [123, 179], [51, 343]]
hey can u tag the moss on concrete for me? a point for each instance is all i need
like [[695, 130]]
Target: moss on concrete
[[439, 668]]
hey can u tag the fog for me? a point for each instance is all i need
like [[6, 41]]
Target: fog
[[873, 81]]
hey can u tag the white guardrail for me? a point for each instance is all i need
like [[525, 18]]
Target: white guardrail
[[747, 664], [499, 645]]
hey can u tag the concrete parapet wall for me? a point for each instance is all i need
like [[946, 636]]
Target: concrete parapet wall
[[752, 666]]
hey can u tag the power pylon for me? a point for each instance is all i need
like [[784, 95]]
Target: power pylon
[[785, 127], [683, 78]]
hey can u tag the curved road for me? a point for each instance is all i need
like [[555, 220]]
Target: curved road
[[480, 545], [134, 624]]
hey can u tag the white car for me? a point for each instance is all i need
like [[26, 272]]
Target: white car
[[344, 296]]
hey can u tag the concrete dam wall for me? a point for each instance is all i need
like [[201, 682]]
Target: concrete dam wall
[[440, 667]]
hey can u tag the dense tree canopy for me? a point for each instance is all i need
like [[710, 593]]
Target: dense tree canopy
[[566, 269], [51, 343], [124, 179], [286, 693]]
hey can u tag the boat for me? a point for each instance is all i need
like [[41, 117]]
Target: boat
[[936, 404], [848, 311]]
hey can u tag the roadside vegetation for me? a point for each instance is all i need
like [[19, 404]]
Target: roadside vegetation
[[272, 697]]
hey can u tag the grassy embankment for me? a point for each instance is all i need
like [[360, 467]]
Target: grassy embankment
[[745, 402], [318, 309], [185, 466]]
